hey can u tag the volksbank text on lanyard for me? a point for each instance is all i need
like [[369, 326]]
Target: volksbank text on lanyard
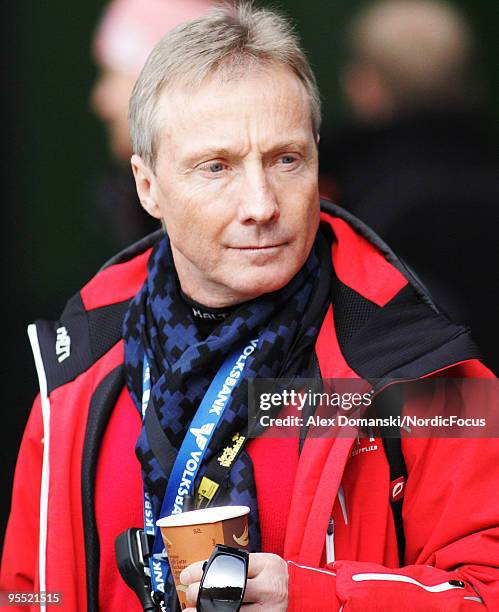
[[191, 453]]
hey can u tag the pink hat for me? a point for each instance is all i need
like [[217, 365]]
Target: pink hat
[[129, 29]]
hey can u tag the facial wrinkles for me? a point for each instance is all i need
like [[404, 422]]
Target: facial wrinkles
[[234, 126], [250, 139]]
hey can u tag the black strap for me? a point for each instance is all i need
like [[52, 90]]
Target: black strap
[[309, 408], [389, 403], [161, 446], [101, 407], [398, 470]]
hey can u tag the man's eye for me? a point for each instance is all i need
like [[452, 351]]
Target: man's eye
[[214, 167], [288, 162]]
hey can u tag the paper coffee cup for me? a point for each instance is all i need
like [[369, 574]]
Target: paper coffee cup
[[191, 536]]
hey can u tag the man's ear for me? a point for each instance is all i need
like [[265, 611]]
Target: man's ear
[[145, 181]]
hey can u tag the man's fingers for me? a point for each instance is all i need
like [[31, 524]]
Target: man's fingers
[[252, 593], [257, 590], [192, 573], [269, 582], [257, 562], [192, 593]]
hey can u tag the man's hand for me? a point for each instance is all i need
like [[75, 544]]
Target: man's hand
[[266, 589]]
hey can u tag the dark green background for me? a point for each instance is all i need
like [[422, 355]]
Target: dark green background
[[53, 145]]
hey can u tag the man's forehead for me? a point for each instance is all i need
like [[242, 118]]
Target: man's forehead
[[219, 100]]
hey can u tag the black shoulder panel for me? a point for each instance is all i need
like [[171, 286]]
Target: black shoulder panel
[[105, 326], [404, 339], [72, 344], [352, 309]]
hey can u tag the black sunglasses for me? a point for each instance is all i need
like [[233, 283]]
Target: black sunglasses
[[224, 580]]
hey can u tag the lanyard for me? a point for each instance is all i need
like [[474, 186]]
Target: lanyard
[[192, 451]]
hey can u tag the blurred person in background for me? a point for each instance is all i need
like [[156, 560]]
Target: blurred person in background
[[125, 35], [419, 163]]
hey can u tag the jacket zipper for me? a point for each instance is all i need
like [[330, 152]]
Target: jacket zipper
[[343, 505], [330, 542], [44, 491]]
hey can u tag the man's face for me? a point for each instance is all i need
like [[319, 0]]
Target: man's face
[[235, 184]]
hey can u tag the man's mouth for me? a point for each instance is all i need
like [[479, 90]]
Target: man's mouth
[[258, 247]]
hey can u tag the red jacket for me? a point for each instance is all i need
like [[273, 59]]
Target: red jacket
[[380, 325]]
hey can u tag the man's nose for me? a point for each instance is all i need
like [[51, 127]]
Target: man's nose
[[258, 200]]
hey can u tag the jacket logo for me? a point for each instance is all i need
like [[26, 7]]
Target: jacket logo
[[199, 314], [397, 489], [62, 344], [364, 445], [201, 433]]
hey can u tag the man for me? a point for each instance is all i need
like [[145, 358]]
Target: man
[[419, 162], [224, 122]]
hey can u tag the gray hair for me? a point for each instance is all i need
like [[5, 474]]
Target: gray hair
[[227, 41]]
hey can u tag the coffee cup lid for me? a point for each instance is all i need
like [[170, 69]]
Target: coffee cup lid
[[203, 516]]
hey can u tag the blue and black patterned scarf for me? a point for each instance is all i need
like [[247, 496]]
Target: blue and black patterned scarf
[[183, 363]]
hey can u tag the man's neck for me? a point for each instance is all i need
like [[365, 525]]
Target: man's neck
[[207, 318]]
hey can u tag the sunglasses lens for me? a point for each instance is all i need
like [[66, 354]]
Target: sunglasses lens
[[223, 585]]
